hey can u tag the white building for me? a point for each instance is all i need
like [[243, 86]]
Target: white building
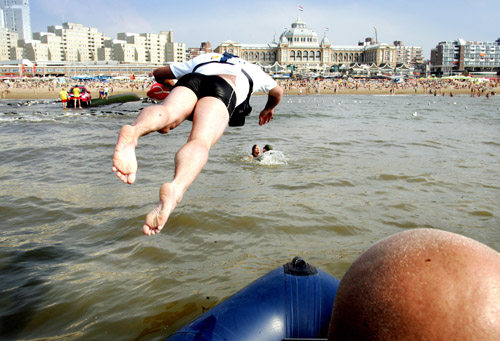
[[16, 17], [176, 52], [44, 46], [143, 48], [408, 54], [156, 47], [459, 56], [300, 49], [2, 18], [8, 40], [79, 43]]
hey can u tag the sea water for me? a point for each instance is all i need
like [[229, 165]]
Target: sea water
[[346, 172]]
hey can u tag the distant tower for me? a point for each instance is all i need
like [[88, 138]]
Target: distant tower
[[16, 15]]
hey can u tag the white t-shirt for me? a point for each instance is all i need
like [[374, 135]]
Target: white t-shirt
[[261, 81]]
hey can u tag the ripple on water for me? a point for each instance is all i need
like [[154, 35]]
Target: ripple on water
[[74, 263]]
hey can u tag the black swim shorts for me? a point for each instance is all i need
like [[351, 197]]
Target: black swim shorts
[[210, 86]]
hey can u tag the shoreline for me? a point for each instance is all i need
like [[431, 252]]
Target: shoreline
[[45, 94]]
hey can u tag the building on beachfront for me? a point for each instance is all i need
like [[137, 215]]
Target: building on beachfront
[[155, 46], [129, 48], [205, 47], [175, 52], [408, 54], [301, 50], [15, 15], [79, 43], [8, 40], [72, 50], [459, 56], [144, 48], [75, 43]]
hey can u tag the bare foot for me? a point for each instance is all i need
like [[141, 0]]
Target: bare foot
[[124, 160], [170, 196]]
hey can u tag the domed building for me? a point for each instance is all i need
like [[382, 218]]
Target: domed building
[[299, 48], [299, 35]]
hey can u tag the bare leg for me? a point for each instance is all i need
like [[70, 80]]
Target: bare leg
[[162, 118], [124, 160], [209, 122]]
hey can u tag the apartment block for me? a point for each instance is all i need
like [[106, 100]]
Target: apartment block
[[461, 56], [16, 17], [8, 40], [408, 55], [79, 43], [155, 45], [176, 52]]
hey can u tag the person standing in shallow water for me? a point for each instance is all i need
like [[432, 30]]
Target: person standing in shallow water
[[208, 89], [76, 97], [63, 94]]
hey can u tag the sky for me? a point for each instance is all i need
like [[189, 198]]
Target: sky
[[422, 23]]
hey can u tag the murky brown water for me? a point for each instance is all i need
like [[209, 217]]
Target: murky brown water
[[350, 171]]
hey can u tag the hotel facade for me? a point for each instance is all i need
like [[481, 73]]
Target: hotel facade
[[300, 49]]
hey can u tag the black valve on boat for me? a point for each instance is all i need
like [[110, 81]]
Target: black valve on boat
[[299, 267]]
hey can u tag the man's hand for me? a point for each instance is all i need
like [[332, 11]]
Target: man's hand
[[273, 98], [265, 116]]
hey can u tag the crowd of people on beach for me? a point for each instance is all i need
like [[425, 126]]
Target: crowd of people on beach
[[478, 87], [309, 86], [54, 85]]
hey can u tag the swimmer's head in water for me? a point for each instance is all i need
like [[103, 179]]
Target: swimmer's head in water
[[267, 147], [255, 150]]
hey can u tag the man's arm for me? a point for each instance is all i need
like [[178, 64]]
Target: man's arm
[[273, 99], [164, 76]]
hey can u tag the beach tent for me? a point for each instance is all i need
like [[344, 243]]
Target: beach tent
[[82, 77]]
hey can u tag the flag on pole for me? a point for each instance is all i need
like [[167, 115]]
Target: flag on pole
[[301, 8]]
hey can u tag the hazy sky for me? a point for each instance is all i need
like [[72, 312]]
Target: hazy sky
[[421, 23]]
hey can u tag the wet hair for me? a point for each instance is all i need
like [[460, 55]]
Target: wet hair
[[253, 150], [268, 147]]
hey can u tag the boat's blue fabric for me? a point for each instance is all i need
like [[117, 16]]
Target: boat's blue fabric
[[276, 306]]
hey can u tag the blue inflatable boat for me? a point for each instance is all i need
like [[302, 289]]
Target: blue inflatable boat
[[292, 302]]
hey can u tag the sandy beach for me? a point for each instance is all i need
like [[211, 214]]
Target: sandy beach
[[291, 88], [44, 93]]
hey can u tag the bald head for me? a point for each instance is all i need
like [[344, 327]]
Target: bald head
[[420, 284]]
